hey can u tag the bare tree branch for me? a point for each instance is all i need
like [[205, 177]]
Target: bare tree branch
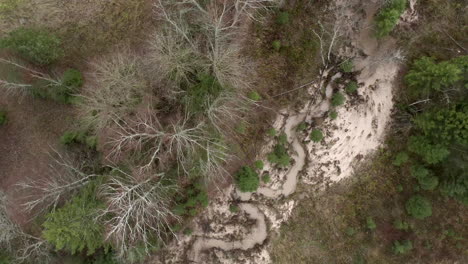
[[64, 179], [138, 210]]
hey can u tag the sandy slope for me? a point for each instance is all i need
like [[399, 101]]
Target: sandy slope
[[355, 134]]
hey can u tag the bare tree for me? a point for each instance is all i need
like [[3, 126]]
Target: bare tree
[[64, 179], [118, 90], [221, 22], [171, 58], [145, 135], [227, 110], [327, 39], [32, 249], [138, 210], [10, 230], [24, 88]]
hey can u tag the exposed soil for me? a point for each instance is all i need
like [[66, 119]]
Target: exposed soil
[[33, 130]]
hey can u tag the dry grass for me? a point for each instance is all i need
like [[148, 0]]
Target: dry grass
[[330, 227], [85, 27]]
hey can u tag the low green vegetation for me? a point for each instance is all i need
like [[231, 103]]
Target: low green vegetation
[[400, 159], [79, 137], [276, 45], [316, 135], [351, 87], [347, 66], [402, 247], [302, 126], [338, 99], [401, 225], [333, 115], [282, 18], [280, 155], [370, 223], [192, 201], [203, 92], [70, 83], [271, 132], [3, 117], [419, 207], [388, 17], [234, 208], [259, 164], [266, 178], [247, 179], [36, 45], [255, 96]]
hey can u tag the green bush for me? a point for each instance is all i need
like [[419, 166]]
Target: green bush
[[271, 132], [430, 153], [338, 99], [351, 87], [388, 17], [418, 207], [347, 66], [107, 258], [402, 247], [401, 225], [71, 81], [282, 18], [426, 76], [255, 96], [302, 126], [350, 231], [276, 45], [316, 135], [203, 92], [234, 208], [283, 139], [3, 117], [370, 223], [425, 178], [456, 187], [445, 126], [38, 46], [428, 183], [333, 115], [279, 156], [195, 197], [266, 178], [259, 164], [79, 137], [241, 128], [247, 179], [400, 159], [5, 257], [73, 227]]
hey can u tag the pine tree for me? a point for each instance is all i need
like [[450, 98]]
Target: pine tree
[[73, 227]]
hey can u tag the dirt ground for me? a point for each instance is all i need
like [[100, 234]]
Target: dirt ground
[[33, 129]]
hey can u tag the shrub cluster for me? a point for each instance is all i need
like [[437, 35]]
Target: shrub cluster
[[419, 207], [347, 66], [36, 45], [247, 179], [338, 99], [79, 137], [316, 135], [194, 199], [388, 17]]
